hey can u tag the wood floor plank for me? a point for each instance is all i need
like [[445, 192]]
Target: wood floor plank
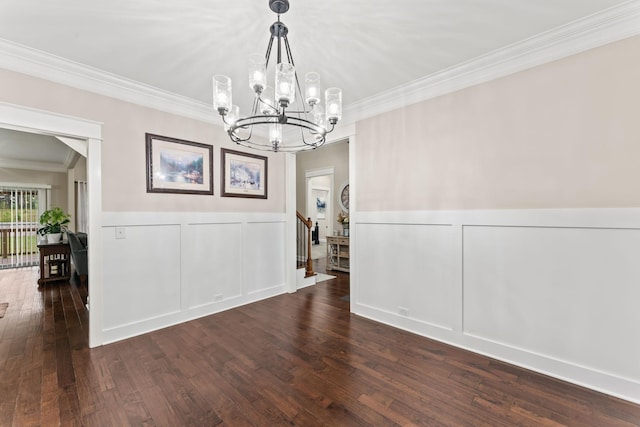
[[50, 406], [9, 387], [296, 359]]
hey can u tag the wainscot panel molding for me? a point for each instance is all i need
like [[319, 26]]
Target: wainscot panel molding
[[554, 291], [161, 269], [420, 261]]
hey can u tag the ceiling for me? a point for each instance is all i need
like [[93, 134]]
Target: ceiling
[[22, 150], [365, 47]]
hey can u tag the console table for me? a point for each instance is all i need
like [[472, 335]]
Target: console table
[[54, 262], [338, 253]]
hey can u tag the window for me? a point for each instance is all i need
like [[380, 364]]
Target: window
[[20, 208]]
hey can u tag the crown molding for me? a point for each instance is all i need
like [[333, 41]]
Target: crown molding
[[601, 28], [33, 62], [32, 165], [71, 159], [76, 145], [587, 33]]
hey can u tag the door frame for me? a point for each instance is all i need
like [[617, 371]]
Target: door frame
[[309, 175], [88, 133]]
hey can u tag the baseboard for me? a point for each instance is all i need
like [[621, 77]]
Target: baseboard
[[170, 319], [551, 290], [582, 376]]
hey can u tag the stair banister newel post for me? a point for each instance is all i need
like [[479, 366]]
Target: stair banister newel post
[[309, 270], [308, 224]]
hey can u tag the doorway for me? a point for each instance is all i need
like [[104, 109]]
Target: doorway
[[320, 204], [88, 135], [20, 208]]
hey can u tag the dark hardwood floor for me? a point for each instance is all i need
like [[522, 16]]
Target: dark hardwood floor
[[296, 359]]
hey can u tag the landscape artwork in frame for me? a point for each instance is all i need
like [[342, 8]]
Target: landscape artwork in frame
[[321, 206], [178, 166], [243, 175]]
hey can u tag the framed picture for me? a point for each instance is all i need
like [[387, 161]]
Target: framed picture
[[243, 175], [321, 206], [178, 166], [320, 196]]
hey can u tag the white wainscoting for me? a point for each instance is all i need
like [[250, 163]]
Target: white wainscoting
[[555, 291], [161, 269]]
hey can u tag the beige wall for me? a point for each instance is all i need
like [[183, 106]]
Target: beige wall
[[335, 155], [123, 148], [562, 135], [57, 181], [79, 171]]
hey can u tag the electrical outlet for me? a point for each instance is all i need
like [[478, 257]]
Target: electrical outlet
[[403, 311], [121, 233]]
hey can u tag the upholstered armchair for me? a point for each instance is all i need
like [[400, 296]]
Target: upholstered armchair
[[78, 245]]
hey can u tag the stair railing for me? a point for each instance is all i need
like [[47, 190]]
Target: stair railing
[[303, 244]]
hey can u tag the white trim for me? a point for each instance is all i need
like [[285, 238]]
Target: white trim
[[343, 131], [71, 159], [291, 274], [339, 196], [26, 60], [610, 25], [311, 206], [623, 223], [181, 300], [166, 320], [25, 119], [604, 27], [23, 185], [76, 145], [318, 172], [627, 218], [353, 232], [32, 165], [132, 218], [575, 374]]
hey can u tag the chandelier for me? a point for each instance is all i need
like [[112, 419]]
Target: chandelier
[[282, 105]]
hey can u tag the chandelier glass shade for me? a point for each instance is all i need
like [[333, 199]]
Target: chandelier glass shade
[[282, 106]]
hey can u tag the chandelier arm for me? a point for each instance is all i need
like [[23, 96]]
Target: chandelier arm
[[318, 142], [314, 128], [254, 108], [267, 146], [277, 115], [305, 111], [274, 109], [237, 139], [279, 48], [283, 148], [250, 133], [304, 141], [249, 122], [298, 87], [254, 146], [268, 54], [288, 50]]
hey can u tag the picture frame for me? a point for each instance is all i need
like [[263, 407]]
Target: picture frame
[[321, 207], [244, 175], [178, 166]]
